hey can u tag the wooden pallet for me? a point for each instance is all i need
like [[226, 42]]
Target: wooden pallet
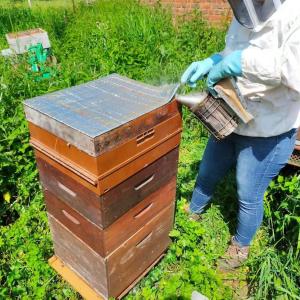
[[81, 286]]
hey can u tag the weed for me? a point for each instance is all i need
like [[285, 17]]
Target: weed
[[139, 42]]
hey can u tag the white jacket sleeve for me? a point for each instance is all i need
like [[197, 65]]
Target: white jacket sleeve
[[275, 66], [290, 70]]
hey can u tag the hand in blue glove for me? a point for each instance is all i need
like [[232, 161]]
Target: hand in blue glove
[[231, 65], [197, 70]]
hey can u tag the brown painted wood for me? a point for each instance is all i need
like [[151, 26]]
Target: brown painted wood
[[125, 292], [105, 183], [109, 161], [135, 255], [79, 257], [73, 279], [122, 134], [111, 275], [105, 241], [136, 127], [139, 186], [80, 285], [105, 209]]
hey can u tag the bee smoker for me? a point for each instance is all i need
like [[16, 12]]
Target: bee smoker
[[222, 114]]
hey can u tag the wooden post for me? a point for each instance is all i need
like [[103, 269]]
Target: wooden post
[[29, 3]]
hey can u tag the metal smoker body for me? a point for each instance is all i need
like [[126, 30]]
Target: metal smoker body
[[220, 115]]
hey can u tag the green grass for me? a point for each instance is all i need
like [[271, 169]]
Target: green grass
[[36, 4], [141, 43]]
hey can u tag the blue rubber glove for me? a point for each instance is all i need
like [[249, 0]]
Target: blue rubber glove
[[197, 70], [230, 66]]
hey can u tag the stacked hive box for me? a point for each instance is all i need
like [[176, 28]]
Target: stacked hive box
[[295, 158], [107, 154]]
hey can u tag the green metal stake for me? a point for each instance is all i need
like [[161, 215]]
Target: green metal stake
[[37, 59]]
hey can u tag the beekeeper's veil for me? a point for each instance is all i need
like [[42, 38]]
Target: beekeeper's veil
[[254, 13]]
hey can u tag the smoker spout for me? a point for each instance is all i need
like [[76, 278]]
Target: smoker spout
[[191, 100]]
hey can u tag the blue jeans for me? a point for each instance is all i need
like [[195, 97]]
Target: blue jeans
[[257, 160]]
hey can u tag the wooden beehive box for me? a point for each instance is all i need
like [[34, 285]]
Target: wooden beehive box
[[295, 157], [105, 209], [19, 42], [103, 132], [298, 140], [107, 153], [110, 276]]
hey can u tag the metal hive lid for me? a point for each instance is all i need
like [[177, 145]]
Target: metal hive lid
[[98, 106]]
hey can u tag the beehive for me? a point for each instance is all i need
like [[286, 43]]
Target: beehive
[[295, 157], [107, 153], [19, 42]]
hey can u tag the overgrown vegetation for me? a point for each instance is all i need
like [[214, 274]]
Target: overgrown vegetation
[[275, 269], [142, 43]]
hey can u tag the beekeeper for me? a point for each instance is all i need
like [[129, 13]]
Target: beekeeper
[[263, 52]]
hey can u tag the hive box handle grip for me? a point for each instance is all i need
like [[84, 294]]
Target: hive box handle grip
[[145, 240], [143, 211], [145, 136], [67, 190], [145, 182], [71, 218]]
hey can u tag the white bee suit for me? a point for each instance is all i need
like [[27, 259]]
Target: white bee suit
[[271, 71]]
